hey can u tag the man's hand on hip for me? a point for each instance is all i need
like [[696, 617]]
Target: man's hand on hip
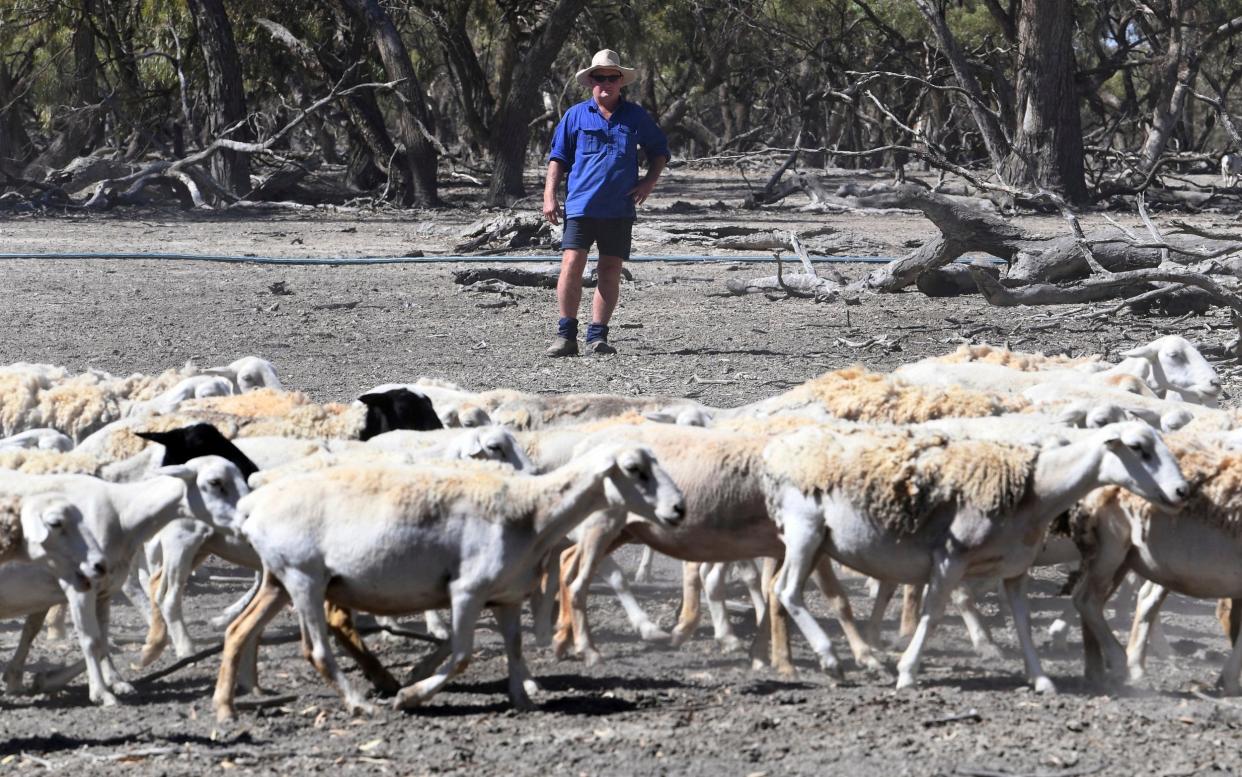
[[640, 193], [551, 210]]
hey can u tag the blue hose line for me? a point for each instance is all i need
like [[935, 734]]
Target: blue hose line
[[442, 259]]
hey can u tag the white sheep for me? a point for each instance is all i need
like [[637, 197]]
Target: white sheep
[[183, 545], [193, 387], [48, 530], [930, 509], [121, 517], [420, 538], [248, 373], [1197, 552], [37, 439]]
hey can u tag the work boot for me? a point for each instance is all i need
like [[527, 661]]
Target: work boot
[[562, 346], [597, 340], [600, 348]]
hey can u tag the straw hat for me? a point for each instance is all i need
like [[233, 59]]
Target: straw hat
[[607, 59]]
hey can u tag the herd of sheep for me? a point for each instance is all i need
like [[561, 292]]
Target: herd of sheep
[[425, 497]]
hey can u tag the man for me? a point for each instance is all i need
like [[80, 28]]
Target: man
[[597, 142]]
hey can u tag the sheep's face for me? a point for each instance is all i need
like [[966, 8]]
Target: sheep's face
[[636, 481], [1137, 459], [499, 444], [1183, 368], [57, 538], [213, 488]]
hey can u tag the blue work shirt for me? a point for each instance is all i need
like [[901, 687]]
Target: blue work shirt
[[602, 157]]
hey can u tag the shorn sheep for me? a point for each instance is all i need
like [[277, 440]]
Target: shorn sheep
[[929, 509], [400, 540], [47, 530], [121, 517], [1197, 552]]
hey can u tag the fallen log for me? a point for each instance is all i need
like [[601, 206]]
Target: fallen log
[[540, 278], [952, 280], [1032, 257], [1118, 285]]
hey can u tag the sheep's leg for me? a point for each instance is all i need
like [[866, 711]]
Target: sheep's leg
[[103, 615], [593, 543], [157, 625], [242, 638], [1103, 572], [82, 610], [911, 605], [56, 621], [466, 608], [875, 624], [781, 653], [521, 684], [691, 606], [749, 575], [542, 603], [963, 598], [826, 579], [565, 619], [947, 572], [1228, 682], [1145, 614], [13, 672], [643, 573], [341, 621], [804, 535], [714, 576], [614, 576], [307, 593], [436, 625], [235, 609], [1157, 642], [136, 591], [1015, 591]]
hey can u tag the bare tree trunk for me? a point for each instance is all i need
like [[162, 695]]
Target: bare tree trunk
[[989, 126], [225, 92], [414, 120], [510, 130], [1047, 143], [1179, 70], [80, 129]]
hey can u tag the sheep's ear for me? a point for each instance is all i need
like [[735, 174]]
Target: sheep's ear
[[473, 447], [607, 462], [1142, 352], [177, 471], [158, 437], [1074, 415], [660, 417], [34, 529]]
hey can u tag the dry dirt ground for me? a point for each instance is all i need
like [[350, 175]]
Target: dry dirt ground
[[648, 709]]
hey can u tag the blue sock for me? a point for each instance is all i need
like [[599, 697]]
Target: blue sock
[[597, 332], [567, 328]]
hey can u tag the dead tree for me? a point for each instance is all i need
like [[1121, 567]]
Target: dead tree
[[225, 93]]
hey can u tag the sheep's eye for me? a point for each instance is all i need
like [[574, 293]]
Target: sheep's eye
[[216, 484], [1174, 356], [631, 469]]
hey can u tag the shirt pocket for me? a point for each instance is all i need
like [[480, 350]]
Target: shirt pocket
[[591, 142], [627, 141]]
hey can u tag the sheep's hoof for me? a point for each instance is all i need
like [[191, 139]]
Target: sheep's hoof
[[831, 667], [224, 713], [906, 681], [221, 622], [406, 698], [522, 703], [531, 687], [591, 657], [360, 708], [731, 644], [679, 637], [103, 697], [13, 683], [560, 647], [1058, 632], [652, 633], [149, 655], [1045, 685], [1135, 673], [873, 665], [122, 688]]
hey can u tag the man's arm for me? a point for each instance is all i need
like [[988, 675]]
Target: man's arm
[[643, 190], [551, 209]]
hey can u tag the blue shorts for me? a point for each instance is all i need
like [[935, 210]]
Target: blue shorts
[[611, 235]]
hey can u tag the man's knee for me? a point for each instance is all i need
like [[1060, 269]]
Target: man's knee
[[608, 268], [573, 261]]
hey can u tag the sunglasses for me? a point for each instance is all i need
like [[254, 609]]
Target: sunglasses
[[605, 79]]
